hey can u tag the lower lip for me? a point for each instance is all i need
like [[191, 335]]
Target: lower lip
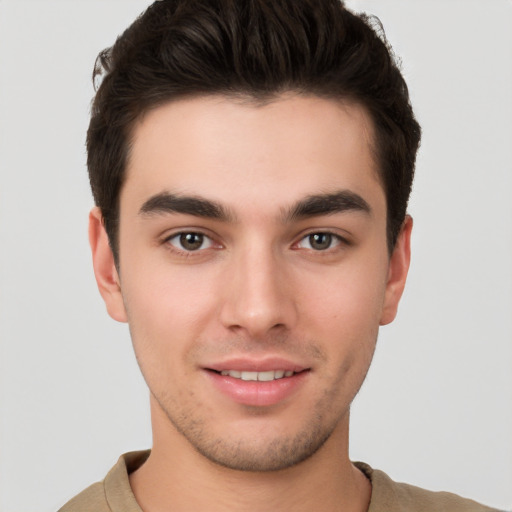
[[257, 393]]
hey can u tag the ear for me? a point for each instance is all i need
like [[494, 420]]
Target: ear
[[397, 272], [105, 270]]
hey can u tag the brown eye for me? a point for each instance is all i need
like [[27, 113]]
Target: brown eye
[[319, 241], [190, 241]]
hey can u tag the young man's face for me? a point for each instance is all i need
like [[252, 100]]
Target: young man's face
[[254, 272]]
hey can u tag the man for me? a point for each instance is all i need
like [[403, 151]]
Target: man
[[251, 164]]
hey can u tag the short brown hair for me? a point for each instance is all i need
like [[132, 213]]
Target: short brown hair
[[254, 48]]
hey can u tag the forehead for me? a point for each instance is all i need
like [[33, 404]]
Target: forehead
[[270, 153]]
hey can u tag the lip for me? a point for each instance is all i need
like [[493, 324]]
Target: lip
[[256, 365], [257, 393]]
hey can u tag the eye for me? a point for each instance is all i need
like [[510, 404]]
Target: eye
[[190, 241], [319, 241]]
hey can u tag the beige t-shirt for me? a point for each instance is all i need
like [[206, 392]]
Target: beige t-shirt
[[114, 494]]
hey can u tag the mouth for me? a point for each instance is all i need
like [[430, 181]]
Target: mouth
[[265, 376], [258, 387]]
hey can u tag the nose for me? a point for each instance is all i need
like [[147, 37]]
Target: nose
[[258, 294]]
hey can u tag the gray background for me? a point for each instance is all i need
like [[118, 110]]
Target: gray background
[[436, 409]]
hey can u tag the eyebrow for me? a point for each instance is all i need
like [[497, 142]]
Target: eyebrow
[[327, 204], [311, 206], [172, 203]]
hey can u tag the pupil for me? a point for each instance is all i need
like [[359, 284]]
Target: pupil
[[191, 241], [320, 241]]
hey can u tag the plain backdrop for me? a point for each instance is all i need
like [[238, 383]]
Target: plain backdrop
[[436, 409]]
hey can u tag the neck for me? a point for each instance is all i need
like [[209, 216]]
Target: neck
[[176, 477]]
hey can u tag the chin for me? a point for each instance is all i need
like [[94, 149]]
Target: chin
[[274, 455]]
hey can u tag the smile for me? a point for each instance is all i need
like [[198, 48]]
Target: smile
[[261, 388], [257, 376]]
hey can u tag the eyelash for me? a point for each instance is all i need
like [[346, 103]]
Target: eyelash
[[334, 238], [188, 252], [335, 241]]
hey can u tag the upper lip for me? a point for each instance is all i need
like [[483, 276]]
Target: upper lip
[[256, 365]]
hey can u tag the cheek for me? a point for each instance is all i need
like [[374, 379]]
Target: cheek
[[349, 299], [167, 307], [159, 289]]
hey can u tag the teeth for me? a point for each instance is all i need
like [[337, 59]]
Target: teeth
[[231, 373], [261, 376]]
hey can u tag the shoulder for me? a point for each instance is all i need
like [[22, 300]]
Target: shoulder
[[388, 495], [114, 493], [92, 499]]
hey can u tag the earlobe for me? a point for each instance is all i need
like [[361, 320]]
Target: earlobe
[[105, 270], [397, 272]]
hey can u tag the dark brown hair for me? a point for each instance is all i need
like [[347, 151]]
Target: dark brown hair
[[257, 49]]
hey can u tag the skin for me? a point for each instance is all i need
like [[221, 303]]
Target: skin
[[258, 287]]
